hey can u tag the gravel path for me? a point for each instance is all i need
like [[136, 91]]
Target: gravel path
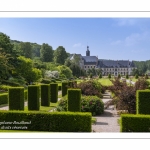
[[108, 121]]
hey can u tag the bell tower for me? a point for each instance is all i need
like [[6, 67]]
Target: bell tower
[[87, 52]]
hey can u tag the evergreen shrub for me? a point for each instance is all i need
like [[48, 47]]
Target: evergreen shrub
[[33, 97], [16, 98], [45, 95], [74, 100], [143, 102], [54, 92], [48, 122], [4, 98], [135, 123], [64, 88]]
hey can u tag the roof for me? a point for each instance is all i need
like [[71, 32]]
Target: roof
[[89, 58], [104, 63]]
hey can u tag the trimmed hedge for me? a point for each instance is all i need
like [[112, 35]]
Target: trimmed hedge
[[42, 121], [3, 98], [143, 102], [74, 100], [54, 92], [25, 95], [59, 88], [46, 81], [16, 98], [135, 123], [45, 95], [33, 97], [64, 88]]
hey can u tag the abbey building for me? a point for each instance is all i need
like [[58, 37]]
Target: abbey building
[[113, 67]]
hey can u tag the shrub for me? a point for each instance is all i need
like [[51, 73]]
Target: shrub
[[119, 76], [143, 102], [45, 95], [25, 95], [33, 97], [49, 122], [109, 76], [3, 98], [91, 104], [16, 98], [10, 83], [135, 123], [53, 80], [127, 76], [74, 100], [100, 75], [64, 88], [91, 87], [46, 81], [54, 92], [59, 87], [91, 75], [146, 76], [126, 95], [136, 76]]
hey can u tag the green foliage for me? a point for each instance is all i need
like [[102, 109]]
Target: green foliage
[[74, 100], [26, 49], [64, 70], [119, 76], [60, 55], [59, 88], [136, 76], [11, 83], [26, 70], [143, 102], [91, 75], [135, 123], [91, 87], [3, 98], [54, 92], [46, 53], [33, 97], [25, 95], [49, 122], [16, 98], [46, 81], [45, 95], [64, 88], [100, 75], [109, 76], [91, 104], [127, 76]]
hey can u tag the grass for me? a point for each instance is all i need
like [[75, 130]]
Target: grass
[[105, 82], [93, 120], [44, 108]]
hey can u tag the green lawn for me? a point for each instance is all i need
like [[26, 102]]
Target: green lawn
[[44, 108], [105, 81]]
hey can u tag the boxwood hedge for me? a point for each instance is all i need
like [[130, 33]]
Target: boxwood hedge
[[45, 95], [135, 123], [42, 121], [16, 98]]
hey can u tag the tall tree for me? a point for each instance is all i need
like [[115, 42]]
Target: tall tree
[[8, 51], [26, 49], [60, 55], [46, 53], [26, 70]]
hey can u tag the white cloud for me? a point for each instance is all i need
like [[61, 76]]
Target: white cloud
[[77, 45], [133, 39]]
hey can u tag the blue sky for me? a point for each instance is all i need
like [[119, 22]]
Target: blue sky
[[107, 38]]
